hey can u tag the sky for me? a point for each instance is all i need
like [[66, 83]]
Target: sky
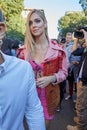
[[54, 10]]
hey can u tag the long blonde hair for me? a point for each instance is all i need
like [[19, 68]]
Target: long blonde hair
[[29, 39]]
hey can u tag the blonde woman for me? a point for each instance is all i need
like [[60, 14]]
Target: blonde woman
[[48, 60]]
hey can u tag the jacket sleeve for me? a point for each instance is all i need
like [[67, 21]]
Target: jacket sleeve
[[78, 52], [63, 68]]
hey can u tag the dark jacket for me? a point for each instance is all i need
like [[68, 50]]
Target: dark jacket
[[84, 71], [8, 45], [78, 52], [81, 52]]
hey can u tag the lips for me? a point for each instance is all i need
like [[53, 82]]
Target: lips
[[35, 30]]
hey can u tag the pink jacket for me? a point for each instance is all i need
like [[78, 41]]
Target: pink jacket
[[54, 50]]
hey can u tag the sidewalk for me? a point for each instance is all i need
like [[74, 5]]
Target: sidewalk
[[64, 117]]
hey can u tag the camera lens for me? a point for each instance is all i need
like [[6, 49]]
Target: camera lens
[[79, 34]]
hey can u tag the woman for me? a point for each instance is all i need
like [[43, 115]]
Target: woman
[[48, 60]]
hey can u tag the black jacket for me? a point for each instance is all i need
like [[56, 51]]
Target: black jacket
[[8, 45], [84, 71], [80, 52]]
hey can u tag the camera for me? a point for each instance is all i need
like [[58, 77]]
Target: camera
[[79, 34]]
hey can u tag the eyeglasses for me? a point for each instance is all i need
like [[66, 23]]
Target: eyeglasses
[[41, 10]]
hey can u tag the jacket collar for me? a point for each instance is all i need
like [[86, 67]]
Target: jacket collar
[[53, 45]]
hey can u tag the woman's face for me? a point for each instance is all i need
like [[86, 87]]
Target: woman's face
[[37, 25]]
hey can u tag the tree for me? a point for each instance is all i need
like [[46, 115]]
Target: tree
[[83, 4], [70, 21], [12, 12]]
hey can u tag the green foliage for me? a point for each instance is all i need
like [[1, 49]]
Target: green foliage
[[16, 27], [15, 23], [11, 8], [70, 21], [83, 21], [13, 34], [85, 12], [83, 4]]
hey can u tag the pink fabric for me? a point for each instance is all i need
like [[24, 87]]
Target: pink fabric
[[42, 97], [53, 51], [41, 91]]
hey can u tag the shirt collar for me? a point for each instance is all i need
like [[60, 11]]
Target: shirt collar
[[69, 44], [3, 66]]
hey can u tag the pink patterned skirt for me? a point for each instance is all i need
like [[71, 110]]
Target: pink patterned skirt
[[42, 97], [38, 69]]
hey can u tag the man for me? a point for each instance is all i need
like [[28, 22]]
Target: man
[[68, 48], [7, 45], [18, 95], [81, 102]]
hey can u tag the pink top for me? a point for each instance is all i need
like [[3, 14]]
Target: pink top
[[38, 69]]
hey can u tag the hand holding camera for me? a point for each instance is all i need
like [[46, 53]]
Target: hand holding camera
[[81, 32]]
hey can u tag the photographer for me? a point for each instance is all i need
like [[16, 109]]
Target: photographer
[[81, 102], [79, 35]]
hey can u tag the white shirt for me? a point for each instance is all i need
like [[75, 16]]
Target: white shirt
[[18, 96]]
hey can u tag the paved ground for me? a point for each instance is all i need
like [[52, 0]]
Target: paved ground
[[64, 117]]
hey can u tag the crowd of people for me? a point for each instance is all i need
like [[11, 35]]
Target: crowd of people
[[76, 51], [42, 68]]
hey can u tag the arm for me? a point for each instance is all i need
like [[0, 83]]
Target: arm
[[57, 77], [85, 36], [75, 45], [63, 70], [34, 111]]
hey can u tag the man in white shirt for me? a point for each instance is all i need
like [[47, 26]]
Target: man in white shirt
[[18, 95]]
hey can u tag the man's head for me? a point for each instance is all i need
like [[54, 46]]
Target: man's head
[[68, 37], [2, 26]]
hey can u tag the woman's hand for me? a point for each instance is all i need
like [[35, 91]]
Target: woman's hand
[[44, 81]]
